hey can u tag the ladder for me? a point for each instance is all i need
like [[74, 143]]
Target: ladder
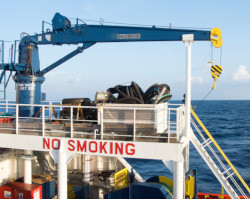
[[224, 171]]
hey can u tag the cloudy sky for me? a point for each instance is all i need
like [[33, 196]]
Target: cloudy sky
[[106, 65]]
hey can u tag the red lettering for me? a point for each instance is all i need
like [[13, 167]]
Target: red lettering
[[130, 149], [46, 143], [120, 148], [111, 148], [81, 147], [71, 144], [56, 144], [102, 147], [95, 145]]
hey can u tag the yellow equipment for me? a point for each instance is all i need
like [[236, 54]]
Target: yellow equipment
[[216, 72], [190, 187], [216, 37], [121, 179]]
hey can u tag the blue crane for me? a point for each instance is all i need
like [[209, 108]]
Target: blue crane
[[29, 76]]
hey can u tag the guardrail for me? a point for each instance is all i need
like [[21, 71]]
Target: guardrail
[[163, 123], [217, 154]]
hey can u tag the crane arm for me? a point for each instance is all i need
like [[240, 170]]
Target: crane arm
[[65, 58], [101, 33], [65, 33]]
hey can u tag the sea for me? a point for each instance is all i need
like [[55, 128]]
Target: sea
[[229, 123]]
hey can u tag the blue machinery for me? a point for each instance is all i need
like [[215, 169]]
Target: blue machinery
[[28, 76]]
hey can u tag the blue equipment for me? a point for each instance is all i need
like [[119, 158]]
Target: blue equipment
[[143, 190], [28, 75]]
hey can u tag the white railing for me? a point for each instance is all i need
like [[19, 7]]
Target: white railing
[[165, 123], [216, 155], [9, 106]]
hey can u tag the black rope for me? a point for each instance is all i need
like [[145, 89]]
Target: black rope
[[202, 100], [212, 54]]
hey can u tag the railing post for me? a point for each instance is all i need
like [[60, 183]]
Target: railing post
[[17, 115], [168, 125], [101, 111], [43, 120], [7, 106], [71, 122], [95, 132], [134, 131], [50, 112], [177, 123]]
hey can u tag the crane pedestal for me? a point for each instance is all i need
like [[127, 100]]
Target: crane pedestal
[[28, 91]]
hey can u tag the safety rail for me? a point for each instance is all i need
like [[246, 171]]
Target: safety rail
[[8, 106], [75, 125], [226, 171]]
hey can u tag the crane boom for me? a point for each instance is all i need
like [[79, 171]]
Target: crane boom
[[103, 33], [64, 33]]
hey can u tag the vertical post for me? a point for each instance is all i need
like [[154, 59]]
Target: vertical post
[[50, 110], [75, 163], [2, 52], [5, 86], [11, 54], [101, 111], [87, 169], [17, 117], [43, 120], [169, 130], [4, 97], [42, 26], [178, 176], [28, 166], [62, 175], [188, 39], [134, 125], [95, 132], [71, 121], [15, 51], [7, 106], [178, 123]]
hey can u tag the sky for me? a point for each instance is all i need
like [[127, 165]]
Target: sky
[[106, 65]]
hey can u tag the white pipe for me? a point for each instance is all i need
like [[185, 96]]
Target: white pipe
[[62, 175], [75, 163], [27, 166], [188, 39], [88, 170], [188, 88], [178, 176]]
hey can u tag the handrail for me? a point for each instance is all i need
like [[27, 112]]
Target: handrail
[[166, 119], [220, 150]]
